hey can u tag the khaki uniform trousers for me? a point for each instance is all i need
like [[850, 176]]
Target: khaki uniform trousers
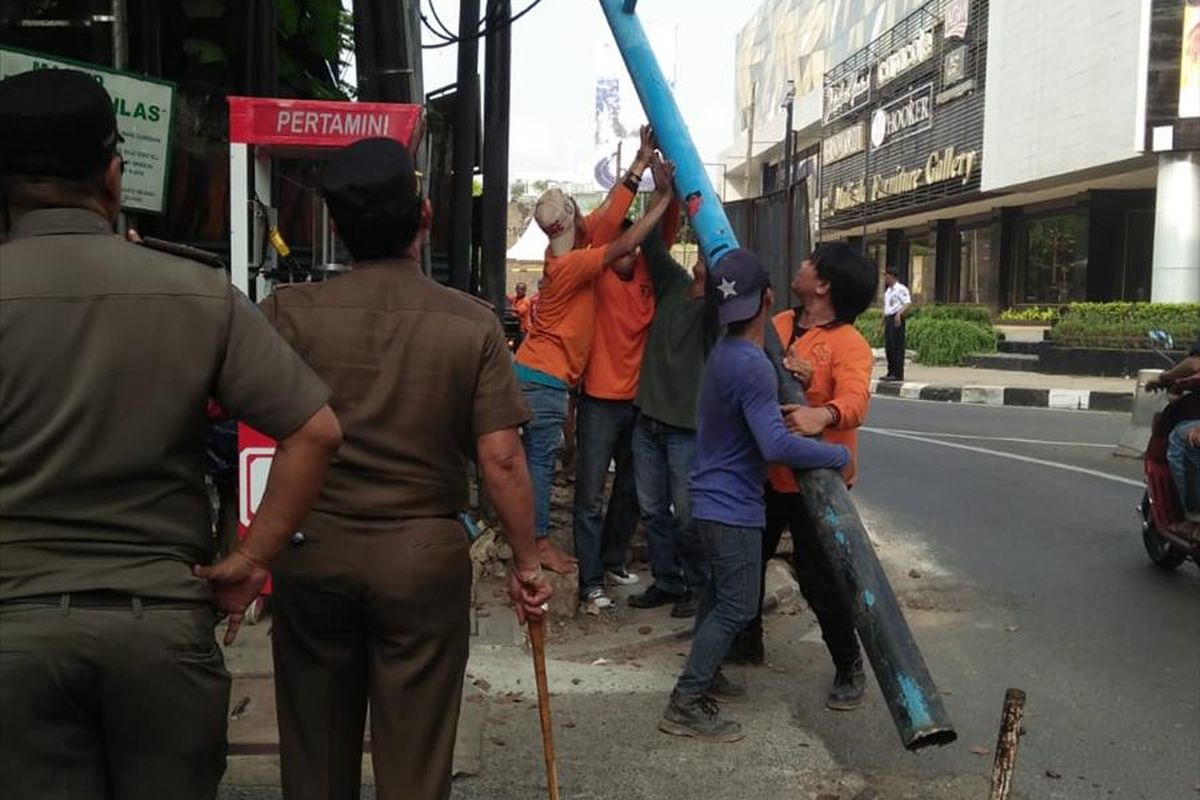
[[371, 617], [111, 703]]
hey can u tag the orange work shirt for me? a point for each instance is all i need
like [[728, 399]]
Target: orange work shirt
[[624, 311], [560, 334], [841, 378], [522, 307]]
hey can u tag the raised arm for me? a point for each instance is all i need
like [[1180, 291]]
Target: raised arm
[[636, 234], [605, 221]]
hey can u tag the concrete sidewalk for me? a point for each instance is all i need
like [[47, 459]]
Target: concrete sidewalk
[[1007, 388]]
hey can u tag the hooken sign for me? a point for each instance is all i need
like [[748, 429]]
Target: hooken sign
[[144, 109]]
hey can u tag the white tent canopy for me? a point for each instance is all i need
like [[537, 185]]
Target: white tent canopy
[[531, 246]]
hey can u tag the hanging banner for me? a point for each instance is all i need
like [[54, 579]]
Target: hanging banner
[[144, 107], [1189, 62]]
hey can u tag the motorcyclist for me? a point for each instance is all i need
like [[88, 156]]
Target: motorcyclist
[[1183, 443]]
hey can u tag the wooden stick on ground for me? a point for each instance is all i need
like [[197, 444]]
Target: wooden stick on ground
[[537, 638], [1006, 744]]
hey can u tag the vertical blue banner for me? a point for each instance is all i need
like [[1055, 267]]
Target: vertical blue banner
[[700, 201]]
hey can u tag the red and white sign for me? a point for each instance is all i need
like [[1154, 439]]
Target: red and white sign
[[255, 452], [320, 123]]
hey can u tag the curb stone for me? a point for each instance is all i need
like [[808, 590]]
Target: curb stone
[[1073, 399]]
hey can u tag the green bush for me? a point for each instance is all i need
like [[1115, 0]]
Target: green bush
[[1125, 326], [981, 315], [1044, 314], [870, 325], [947, 342]]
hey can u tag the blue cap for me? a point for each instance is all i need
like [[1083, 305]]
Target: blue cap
[[739, 278]]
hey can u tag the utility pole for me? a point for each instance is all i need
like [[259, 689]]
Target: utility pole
[[496, 73], [466, 116], [789, 147], [750, 142]]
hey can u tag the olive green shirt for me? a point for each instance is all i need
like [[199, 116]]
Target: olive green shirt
[[110, 352], [418, 373]]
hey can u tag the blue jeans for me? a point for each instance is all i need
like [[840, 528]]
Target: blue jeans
[[728, 602], [604, 429], [1185, 465], [663, 456], [541, 437]]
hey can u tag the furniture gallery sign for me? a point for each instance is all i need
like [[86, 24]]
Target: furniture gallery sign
[[144, 109], [910, 114], [941, 166]]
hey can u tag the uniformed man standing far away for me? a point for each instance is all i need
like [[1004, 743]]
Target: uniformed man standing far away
[[111, 682], [374, 606]]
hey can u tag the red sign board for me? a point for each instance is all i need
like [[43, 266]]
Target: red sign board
[[255, 452], [320, 123]]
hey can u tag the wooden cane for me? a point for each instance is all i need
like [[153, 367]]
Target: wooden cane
[[537, 638]]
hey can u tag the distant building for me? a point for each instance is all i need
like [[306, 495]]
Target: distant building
[[1006, 152]]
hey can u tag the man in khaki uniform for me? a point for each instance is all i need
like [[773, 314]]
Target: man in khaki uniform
[[111, 683], [373, 607]]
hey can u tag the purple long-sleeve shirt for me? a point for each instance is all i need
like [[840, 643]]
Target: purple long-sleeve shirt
[[740, 430]]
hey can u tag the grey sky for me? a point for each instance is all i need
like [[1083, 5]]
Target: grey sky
[[562, 46]]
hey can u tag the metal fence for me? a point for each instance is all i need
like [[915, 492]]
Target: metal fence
[[762, 224]]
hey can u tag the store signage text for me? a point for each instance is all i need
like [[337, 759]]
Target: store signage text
[[843, 144], [910, 114], [957, 18], [846, 94], [915, 51], [947, 164]]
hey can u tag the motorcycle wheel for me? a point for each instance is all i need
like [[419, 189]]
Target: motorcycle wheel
[[1164, 555]]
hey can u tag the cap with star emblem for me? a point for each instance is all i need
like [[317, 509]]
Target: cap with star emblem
[[740, 279]]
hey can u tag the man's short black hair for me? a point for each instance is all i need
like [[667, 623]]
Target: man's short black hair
[[852, 277], [372, 192], [895, 273]]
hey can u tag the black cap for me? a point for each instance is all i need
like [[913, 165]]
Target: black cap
[[55, 123], [372, 175], [740, 279]]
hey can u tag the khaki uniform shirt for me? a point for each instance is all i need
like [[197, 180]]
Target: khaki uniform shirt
[[110, 352], [418, 373]]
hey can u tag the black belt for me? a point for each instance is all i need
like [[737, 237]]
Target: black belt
[[101, 598]]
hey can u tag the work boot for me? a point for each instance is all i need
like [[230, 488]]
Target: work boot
[[849, 685], [686, 606], [653, 597], [726, 690], [747, 649], [699, 717]]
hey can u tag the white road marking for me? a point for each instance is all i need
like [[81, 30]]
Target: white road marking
[[1013, 456], [1013, 439]]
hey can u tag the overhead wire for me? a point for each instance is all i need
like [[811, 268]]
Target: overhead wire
[[486, 25]]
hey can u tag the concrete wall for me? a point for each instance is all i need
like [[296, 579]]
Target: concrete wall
[[1062, 88]]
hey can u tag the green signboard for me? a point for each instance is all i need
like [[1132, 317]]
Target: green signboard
[[144, 107]]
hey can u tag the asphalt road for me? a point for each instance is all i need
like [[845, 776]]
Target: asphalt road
[[1036, 579]]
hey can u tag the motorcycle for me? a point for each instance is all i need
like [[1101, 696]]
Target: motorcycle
[[1169, 538]]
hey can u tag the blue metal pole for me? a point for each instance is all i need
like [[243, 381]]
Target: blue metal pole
[[904, 680], [700, 200]]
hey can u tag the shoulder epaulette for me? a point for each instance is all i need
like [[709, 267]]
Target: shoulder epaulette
[[183, 251]]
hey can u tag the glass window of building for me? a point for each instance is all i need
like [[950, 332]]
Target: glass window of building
[[1056, 259], [978, 276], [922, 265]]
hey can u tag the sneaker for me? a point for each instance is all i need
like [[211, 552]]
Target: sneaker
[[686, 606], [849, 685], [698, 716], [726, 690], [596, 602], [653, 598], [621, 576], [747, 650]]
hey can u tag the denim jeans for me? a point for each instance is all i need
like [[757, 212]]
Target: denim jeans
[[728, 602], [1185, 465], [604, 430], [663, 456], [541, 437]]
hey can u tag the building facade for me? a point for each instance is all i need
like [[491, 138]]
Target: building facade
[[1016, 152]]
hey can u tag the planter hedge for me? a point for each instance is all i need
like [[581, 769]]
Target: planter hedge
[[1125, 326], [947, 342]]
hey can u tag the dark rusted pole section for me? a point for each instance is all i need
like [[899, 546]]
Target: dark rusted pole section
[[1006, 744], [900, 670], [466, 140], [496, 73]]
